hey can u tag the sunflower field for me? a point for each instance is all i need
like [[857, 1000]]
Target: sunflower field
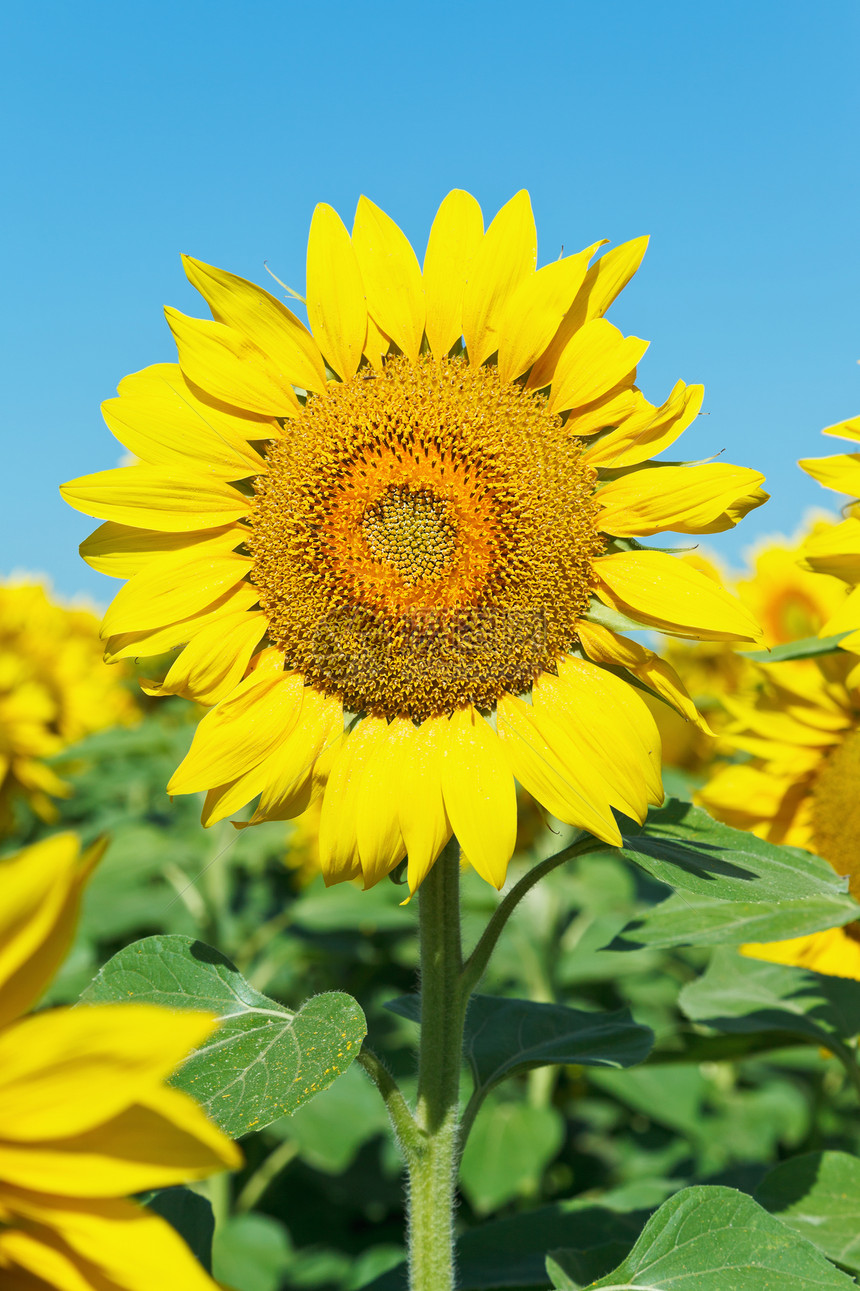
[[436, 868]]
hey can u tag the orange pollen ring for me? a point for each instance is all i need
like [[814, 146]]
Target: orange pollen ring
[[423, 538]]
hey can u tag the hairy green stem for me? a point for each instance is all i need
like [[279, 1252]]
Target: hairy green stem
[[408, 1135], [432, 1168]]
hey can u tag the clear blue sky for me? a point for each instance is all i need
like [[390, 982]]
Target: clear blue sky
[[728, 131]]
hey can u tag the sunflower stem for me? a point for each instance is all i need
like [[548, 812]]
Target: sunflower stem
[[432, 1168], [407, 1133], [476, 964]]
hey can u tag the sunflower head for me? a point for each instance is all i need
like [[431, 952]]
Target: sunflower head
[[396, 545]]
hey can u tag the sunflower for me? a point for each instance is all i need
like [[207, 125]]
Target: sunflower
[[85, 1114], [54, 689], [801, 732], [788, 601], [835, 550], [398, 545]]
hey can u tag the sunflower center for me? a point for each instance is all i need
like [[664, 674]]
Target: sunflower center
[[836, 810], [413, 531], [423, 537]]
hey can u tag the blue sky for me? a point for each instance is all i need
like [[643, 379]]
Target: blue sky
[[727, 131]]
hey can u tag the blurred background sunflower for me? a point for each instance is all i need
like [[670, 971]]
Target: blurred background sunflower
[[54, 690]]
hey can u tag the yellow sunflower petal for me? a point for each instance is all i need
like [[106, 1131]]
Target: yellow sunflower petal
[[549, 764], [337, 309], [479, 795], [120, 1245], [662, 592], [274, 329], [391, 276], [686, 499], [338, 837], [177, 585], [606, 647], [294, 778], [224, 799], [848, 429], [834, 952], [121, 550], [34, 1260], [845, 618], [66, 1071], [841, 472], [835, 551], [613, 727], [214, 661], [781, 726], [376, 344], [136, 1149], [42, 888], [424, 823], [599, 417], [603, 282], [377, 826], [227, 365], [154, 641], [596, 360], [641, 736], [160, 419], [745, 797], [150, 498], [240, 731], [535, 309], [454, 239], [609, 276], [643, 430], [506, 255]]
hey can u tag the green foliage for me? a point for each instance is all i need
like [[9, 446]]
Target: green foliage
[[710, 1239], [251, 1253], [805, 648], [264, 1060], [741, 994], [818, 1195], [581, 1130], [683, 847], [693, 919], [510, 1146], [505, 1036]]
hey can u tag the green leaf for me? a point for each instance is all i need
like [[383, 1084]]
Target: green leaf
[[504, 1036], [741, 994], [191, 1216], [692, 919], [683, 847], [264, 1060], [717, 1239], [510, 1146], [571, 1270], [688, 1047], [818, 1195], [805, 648], [671, 1096], [251, 1253]]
